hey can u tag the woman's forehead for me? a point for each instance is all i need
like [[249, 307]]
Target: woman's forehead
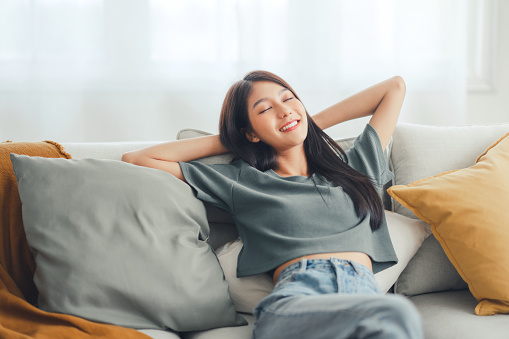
[[260, 87], [264, 90]]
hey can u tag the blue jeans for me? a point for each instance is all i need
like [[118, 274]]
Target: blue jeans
[[333, 298]]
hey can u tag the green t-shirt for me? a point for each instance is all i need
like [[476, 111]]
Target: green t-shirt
[[283, 218]]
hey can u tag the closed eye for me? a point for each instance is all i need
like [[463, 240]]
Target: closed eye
[[271, 106], [265, 110]]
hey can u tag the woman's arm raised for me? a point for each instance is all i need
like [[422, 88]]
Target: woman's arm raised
[[383, 101], [165, 156]]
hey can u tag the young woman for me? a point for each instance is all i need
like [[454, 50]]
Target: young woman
[[307, 211]]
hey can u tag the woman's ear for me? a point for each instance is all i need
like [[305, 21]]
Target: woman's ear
[[252, 137]]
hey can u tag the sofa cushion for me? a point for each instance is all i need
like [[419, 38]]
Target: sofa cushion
[[121, 244], [422, 151], [406, 234], [447, 315], [246, 292], [160, 334], [243, 332], [466, 211], [429, 270]]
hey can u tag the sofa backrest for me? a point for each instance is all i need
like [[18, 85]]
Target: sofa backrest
[[104, 150], [420, 151]]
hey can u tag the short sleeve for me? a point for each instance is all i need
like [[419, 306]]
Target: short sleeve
[[366, 156], [212, 183]]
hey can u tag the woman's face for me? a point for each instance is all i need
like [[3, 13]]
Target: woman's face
[[277, 117]]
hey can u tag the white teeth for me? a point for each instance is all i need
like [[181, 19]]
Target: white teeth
[[289, 126]]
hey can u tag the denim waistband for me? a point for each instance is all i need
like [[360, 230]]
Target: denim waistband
[[320, 264]]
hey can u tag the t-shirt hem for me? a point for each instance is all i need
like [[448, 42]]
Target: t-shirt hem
[[379, 264]]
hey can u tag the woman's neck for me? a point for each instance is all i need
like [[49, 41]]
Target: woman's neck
[[292, 164]]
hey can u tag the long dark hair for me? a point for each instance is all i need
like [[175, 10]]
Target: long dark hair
[[324, 156]]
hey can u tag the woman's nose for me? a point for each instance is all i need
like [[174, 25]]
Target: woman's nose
[[284, 111]]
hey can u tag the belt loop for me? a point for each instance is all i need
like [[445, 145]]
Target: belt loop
[[334, 265], [303, 264]]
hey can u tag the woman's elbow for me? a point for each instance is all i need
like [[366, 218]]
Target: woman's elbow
[[399, 83], [130, 157]]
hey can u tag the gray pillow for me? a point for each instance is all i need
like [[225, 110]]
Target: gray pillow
[[121, 244], [429, 271]]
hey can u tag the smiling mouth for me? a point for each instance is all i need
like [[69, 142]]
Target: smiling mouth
[[290, 126]]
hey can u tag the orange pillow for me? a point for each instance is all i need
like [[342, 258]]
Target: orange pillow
[[467, 211]]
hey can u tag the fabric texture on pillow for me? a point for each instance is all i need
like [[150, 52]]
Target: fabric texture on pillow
[[406, 234], [446, 148], [246, 292], [466, 211], [429, 270], [121, 244]]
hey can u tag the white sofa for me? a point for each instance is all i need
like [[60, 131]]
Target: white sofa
[[429, 280]]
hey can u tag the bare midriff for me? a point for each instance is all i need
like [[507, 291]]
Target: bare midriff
[[358, 257]]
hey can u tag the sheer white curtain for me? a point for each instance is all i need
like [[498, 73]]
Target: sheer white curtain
[[115, 70]]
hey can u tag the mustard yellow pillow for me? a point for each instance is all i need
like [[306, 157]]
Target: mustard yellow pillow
[[467, 211]]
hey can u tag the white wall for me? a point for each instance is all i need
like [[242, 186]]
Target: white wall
[[123, 113], [491, 105]]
